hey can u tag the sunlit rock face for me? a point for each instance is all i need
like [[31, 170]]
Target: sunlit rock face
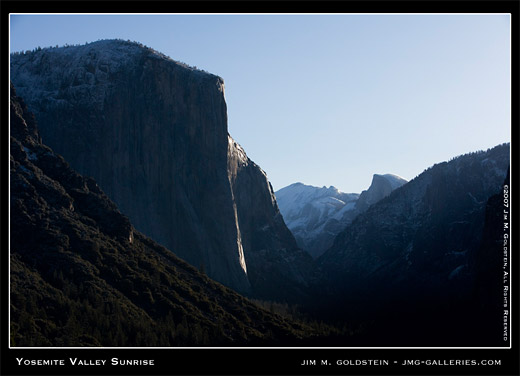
[[153, 133], [275, 264]]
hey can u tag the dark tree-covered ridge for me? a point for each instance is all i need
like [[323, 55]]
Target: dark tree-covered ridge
[[81, 275]]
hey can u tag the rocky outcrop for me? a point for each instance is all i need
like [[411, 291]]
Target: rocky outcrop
[[276, 266], [153, 133], [381, 186]]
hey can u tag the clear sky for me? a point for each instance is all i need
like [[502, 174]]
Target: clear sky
[[330, 99]]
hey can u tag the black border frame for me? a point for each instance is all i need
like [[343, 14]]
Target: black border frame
[[258, 361]]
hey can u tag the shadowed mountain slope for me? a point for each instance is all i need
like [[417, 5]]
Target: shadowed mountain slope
[[82, 275], [411, 257]]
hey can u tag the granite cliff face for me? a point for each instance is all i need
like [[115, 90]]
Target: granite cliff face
[[381, 186], [153, 133], [275, 263], [82, 275]]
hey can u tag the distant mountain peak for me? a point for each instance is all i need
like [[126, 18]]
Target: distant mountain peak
[[316, 215], [382, 185]]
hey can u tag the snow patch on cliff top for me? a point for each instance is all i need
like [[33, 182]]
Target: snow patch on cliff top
[[395, 180], [117, 51], [85, 71], [294, 197]]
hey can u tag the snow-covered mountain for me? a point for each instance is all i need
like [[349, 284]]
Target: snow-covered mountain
[[313, 214], [316, 215]]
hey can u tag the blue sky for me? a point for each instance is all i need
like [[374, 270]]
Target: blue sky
[[330, 99]]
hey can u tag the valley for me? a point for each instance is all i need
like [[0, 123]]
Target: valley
[[138, 220]]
